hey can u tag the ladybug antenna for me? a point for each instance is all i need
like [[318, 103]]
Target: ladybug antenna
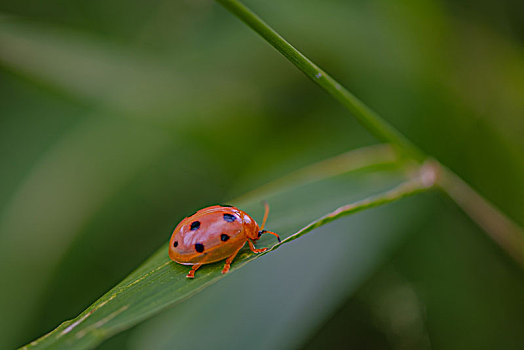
[[266, 213], [262, 231], [273, 233]]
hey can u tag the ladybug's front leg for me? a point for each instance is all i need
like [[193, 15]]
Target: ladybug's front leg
[[191, 273], [253, 249], [230, 260]]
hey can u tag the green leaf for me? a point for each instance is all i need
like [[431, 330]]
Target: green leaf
[[160, 283], [280, 301]]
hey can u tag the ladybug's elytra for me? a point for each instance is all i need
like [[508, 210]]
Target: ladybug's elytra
[[213, 234]]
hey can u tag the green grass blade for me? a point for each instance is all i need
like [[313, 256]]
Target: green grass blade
[[160, 283], [374, 123]]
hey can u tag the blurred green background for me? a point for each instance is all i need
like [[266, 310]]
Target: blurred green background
[[117, 119]]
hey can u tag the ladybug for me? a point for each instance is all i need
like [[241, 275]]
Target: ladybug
[[213, 234]]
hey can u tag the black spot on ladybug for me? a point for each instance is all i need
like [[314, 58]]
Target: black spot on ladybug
[[229, 217], [175, 244], [226, 205], [224, 237], [195, 225], [199, 247]]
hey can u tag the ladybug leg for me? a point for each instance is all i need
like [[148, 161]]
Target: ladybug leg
[[229, 261], [253, 249], [191, 273]]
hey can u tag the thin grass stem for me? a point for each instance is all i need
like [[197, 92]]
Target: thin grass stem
[[371, 121]]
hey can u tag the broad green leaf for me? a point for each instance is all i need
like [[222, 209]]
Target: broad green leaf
[[280, 301], [160, 283]]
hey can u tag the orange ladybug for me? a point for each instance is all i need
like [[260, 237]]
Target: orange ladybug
[[215, 233]]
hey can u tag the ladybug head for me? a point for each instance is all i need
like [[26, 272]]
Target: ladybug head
[[261, 232]]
